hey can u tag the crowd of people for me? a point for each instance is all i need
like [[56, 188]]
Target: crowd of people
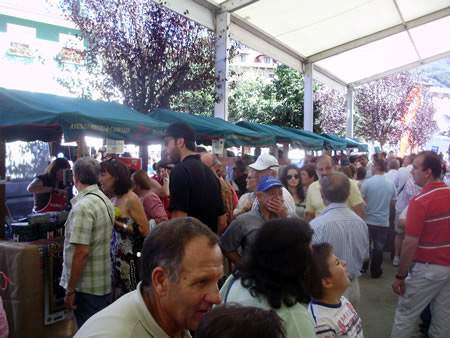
[[143, 256]]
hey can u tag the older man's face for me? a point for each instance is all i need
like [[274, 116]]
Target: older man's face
[[325, 167], [196, 291]]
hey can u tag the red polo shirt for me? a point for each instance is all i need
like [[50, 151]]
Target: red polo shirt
[[429, 219]]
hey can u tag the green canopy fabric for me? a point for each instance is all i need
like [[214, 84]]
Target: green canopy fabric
[[329, 143], [208, 128], [364, 147], [284, 135], [27, 116], [350, 143]]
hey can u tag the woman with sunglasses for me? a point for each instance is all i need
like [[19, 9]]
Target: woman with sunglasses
[[130, 227], [292, 181]]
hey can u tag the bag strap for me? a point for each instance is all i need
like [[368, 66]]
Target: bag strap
[[107, 209], [229, 288], [401, 189]]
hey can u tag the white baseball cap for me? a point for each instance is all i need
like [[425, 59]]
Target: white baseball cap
[[265, 161]]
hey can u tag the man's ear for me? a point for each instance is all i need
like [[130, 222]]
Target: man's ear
[[159, 281], [180, 142]]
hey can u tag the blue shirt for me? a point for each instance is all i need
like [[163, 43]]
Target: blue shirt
[[346, 232], [378, 191]]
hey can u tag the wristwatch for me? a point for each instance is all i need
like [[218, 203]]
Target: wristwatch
[[165, 180], [125, 226], [397, 276], [70, 293]]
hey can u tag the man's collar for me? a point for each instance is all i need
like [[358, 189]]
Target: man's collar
[[332, 206]]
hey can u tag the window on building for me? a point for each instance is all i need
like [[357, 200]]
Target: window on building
[[266, 59], [242, 58]]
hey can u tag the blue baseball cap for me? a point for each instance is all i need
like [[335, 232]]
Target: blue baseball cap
[[268, 182]]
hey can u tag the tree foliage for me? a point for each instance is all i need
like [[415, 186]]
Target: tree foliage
[[382, 106], [142, 50], [279, 102], [333, 112]]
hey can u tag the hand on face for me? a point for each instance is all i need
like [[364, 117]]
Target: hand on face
[[277, 207]]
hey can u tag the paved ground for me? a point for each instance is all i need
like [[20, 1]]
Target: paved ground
[[378, 302]]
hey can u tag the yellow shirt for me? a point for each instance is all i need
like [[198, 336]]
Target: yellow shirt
[[314, 202]]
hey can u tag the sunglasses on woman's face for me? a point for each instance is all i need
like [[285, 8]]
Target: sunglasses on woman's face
[[292, 176]]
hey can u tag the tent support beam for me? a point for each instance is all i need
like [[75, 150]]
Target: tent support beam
[[350, 103], [234, 5], [308, 98], [222, 65]]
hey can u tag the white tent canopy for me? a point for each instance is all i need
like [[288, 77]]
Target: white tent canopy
[[350, 42]]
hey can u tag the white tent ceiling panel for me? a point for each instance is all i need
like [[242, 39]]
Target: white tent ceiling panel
[[372, 58], [351, 41], [432, 38], [311, 27], [412, 9]]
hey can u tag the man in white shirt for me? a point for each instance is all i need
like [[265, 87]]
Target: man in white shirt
[[181, 265], [268, 165]]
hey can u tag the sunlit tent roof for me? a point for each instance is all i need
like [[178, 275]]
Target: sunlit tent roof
[[329, 143], [208, 128], [26, 116], [349, 42], [284, 136]]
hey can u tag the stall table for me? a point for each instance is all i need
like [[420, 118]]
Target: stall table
[[25, 263]]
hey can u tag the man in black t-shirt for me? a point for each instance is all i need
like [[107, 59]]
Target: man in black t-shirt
[[194, 189]]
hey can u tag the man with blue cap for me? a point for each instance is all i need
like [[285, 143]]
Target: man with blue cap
[[239, 234]]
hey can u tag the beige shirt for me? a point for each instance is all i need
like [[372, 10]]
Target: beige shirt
[[314, 201], [127, 317]]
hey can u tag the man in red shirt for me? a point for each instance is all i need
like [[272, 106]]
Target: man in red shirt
[[427, 247]]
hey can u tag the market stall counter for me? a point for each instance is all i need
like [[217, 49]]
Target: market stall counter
[[35, 298]]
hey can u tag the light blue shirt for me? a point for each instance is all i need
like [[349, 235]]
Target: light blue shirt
[[346, 232], [378, 191]]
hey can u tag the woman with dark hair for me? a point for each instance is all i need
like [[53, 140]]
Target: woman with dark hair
[[309, 175], [276, 275], [48, 189], [360, 176], [292, 181], [236, 321], [130, 227], [153, 207]]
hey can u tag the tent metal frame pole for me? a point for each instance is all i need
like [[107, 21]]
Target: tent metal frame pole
[[308, 98], [350, 106], [222, 65]]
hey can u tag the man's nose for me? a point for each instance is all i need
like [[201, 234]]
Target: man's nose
[[213, 297]]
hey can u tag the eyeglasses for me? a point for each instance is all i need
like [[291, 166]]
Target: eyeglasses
[[294, 176], [250, 177]]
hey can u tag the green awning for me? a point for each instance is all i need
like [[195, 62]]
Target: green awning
[[364, 147], [349, 143], [329, 143], [209, 128], [27, 116], [284, 136]]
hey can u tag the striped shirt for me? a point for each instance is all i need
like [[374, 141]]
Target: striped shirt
[[429, 219], [90, 223], [347, 232]]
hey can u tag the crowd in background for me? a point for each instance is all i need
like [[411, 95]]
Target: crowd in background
[[295, 240]]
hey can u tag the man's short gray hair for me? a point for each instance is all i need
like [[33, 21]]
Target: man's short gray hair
[[87, 170], [335, 187], [165, 246], [393, 164]]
